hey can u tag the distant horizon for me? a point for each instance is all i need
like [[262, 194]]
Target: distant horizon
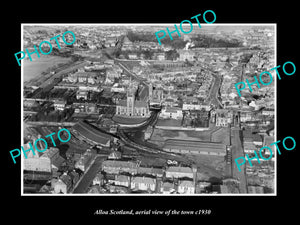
[[226, 27], [203, 25]]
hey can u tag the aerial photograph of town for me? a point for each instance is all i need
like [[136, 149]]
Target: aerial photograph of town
[[147, 118]]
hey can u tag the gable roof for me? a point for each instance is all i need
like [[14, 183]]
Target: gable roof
[[122, 178], [147, 170], [119, 164], [143, 180], [167, 186], [178, 169], [186, 183]]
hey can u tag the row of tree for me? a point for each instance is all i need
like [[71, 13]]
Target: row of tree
[[200, 41], [176, 43], [204, 41]]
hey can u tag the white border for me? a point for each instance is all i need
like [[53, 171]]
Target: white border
[[150, 24]]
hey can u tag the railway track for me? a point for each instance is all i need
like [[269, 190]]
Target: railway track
[[152, 151]]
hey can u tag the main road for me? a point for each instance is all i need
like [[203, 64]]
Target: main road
[[237, 151], [213, 93], [89, 175]]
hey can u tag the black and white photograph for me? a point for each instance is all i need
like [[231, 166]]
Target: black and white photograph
[[148, 118], [130, 111]]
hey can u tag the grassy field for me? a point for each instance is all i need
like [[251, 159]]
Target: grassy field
[[33, 69]]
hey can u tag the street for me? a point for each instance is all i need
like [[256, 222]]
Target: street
[[88, 176], [237, 151], [213, 94]]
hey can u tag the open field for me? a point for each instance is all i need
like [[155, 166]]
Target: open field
[[33, 69]]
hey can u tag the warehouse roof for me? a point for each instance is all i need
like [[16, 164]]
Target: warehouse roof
[[91, 133], [192, 145], [150, 170]]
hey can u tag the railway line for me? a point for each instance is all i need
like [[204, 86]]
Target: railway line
[[143, 150]]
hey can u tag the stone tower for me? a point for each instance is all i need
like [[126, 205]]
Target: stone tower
[[130, 100]]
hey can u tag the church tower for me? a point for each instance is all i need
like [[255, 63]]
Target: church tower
[[130, 100]]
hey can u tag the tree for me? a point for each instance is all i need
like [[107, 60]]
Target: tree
[[172, 54], [147, 37], [148, 54]]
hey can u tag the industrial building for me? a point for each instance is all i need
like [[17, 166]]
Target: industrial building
[[194, 147]]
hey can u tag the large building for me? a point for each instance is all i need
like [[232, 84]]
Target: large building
[[186, 55], [42, 166], [92, 135], [171, 113], [42, 162], [85, 160], [132, 107], [194, 147]]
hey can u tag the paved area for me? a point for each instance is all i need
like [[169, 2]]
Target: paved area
[[237, 151], [213, 96]]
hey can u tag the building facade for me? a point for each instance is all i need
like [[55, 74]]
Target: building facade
[[171, 113], [132, 107], [143, 183], [186, 187]]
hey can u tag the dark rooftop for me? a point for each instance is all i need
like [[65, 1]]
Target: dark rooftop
[[91, 133]]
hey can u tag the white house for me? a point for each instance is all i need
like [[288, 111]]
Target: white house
[[59, 186], [171, 113], [143, 183], [186, 187], [221, 122], [268, 112], [190, 106], [122, 180], [82, 94], [59, 105]]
